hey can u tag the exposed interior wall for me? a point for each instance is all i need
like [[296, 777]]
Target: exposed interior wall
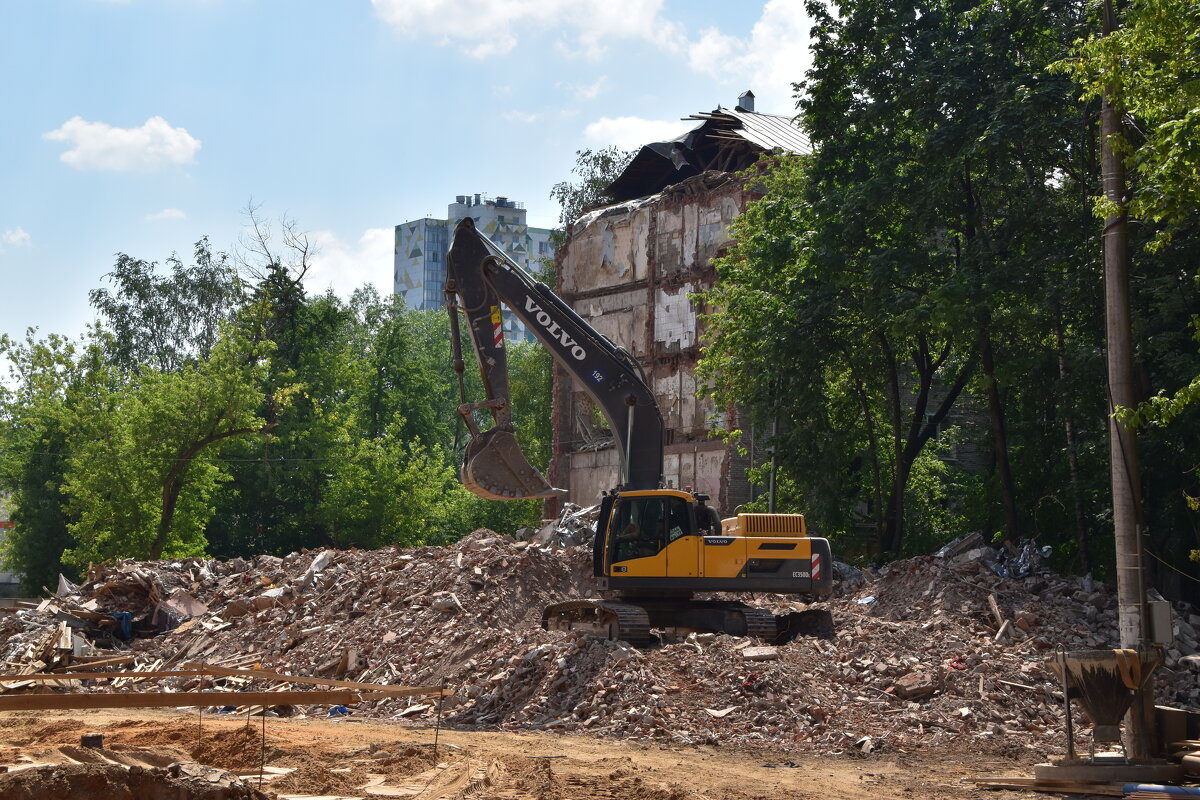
[[630, 271]]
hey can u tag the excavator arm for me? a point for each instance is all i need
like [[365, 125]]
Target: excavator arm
[[479, 278]]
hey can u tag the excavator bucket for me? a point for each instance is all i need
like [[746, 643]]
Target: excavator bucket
[[495, 468]]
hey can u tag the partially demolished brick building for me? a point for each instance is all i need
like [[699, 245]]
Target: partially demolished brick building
[[630, 269]]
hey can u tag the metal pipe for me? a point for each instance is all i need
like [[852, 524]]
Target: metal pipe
[[631, 404]]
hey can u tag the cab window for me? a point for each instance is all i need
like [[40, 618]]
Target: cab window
[[679, 518], [642, 526]]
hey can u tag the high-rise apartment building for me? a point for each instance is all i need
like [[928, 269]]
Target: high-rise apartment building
[[421, 245]]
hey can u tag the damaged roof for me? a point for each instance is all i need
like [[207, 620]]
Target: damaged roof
[[726, 140]]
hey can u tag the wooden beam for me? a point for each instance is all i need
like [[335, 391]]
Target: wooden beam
[[1054, 787], [201, 671], [996, 612], [40, 702], [101, 664], [400, 691]]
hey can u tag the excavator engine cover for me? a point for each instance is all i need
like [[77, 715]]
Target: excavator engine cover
[[495, 468]]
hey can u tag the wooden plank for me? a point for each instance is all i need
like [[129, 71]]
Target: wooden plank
[[204, 670], [996, 612], [63, 637], [401, 691], [39, 702], [1058, 787], [101, 664], [1054, 787]]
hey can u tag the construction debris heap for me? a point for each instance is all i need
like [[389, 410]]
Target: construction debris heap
[[929, 652]]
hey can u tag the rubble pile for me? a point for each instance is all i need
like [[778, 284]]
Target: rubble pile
[[927, 651]]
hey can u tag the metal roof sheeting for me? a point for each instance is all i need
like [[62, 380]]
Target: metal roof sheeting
[[768, 131]]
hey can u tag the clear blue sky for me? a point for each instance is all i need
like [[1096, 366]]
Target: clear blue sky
[[138, 126]]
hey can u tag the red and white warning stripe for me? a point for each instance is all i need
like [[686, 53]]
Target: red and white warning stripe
[[497, 328], [815, 566]]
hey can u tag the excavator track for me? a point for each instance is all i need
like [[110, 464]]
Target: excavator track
[[632, 619], [601, 618], [760, 623]]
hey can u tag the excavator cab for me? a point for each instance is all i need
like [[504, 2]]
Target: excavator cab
[[633, 525], [644, 525]]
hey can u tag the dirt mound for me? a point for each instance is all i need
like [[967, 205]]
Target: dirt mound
[[112, 782], [408, 761], [239, 749], [61, 730], [318, 779], [183, 735]]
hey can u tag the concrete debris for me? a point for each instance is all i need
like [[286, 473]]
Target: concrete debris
[[760, 653], [574, 526], [847, 577], [919, 665]]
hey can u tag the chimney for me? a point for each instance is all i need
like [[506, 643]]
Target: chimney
[[745, 101]]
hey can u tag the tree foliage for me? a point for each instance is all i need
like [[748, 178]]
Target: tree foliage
[[301, 421], [1150, 68], [34, 414], [163, 322], [596, 169], [893, 282], [910, 315], [138, 478]]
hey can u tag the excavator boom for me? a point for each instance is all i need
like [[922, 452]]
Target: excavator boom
[[479, 276]]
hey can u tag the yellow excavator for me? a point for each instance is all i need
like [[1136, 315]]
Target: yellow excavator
[[655, 548]]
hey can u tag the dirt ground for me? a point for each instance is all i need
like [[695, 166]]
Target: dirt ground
[[339, 757]]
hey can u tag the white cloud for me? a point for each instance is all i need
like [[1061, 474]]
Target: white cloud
[[588, 91], [100, 146], [523, 117], [15, 237], [484, 28], [769, 60], [629, 133], [774, 57], [344, 267], [165, 214]]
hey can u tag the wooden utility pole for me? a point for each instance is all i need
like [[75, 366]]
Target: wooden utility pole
[[1126, 471]]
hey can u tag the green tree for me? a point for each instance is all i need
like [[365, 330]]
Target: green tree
[[1150, 66], [164, 322], [529, 368], [34, 413], [900, 271], [387, 490], [1149, 69], [139, 478], [596, 169], [853, 363]]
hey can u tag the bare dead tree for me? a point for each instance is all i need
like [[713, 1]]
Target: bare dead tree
[[257, 249]]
